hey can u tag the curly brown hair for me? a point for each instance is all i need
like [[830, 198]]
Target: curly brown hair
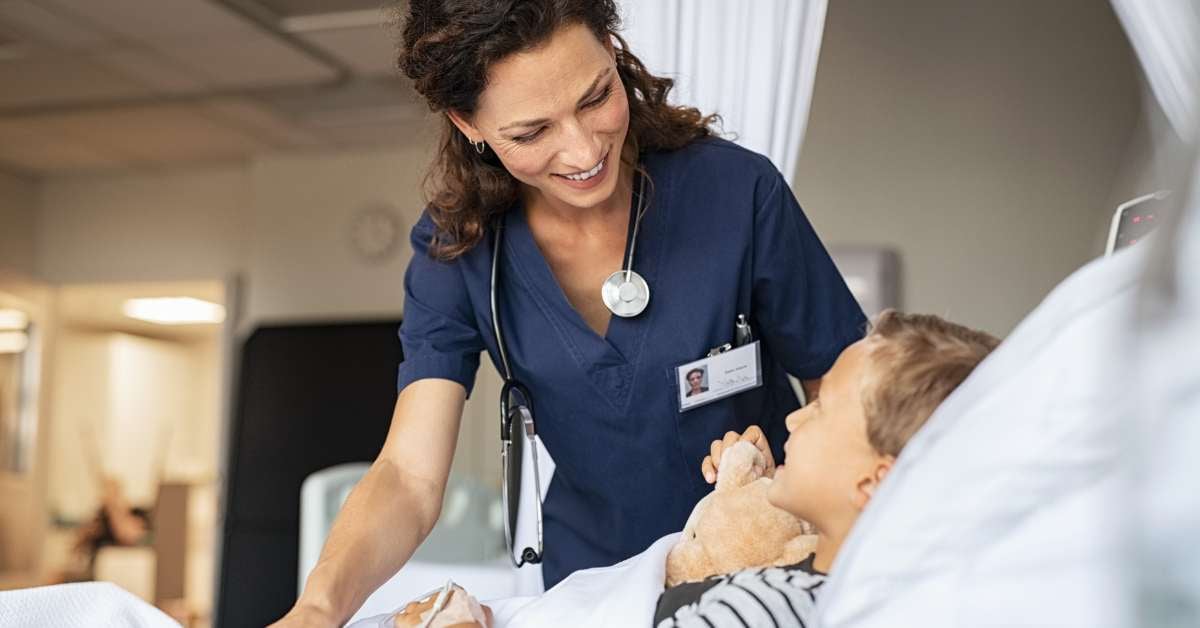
[[447, 47]]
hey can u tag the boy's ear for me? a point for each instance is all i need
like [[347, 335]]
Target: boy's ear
[[867, 483], [464, 126]]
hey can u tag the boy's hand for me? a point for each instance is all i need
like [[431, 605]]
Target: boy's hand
[[753, 435], [410, 616]]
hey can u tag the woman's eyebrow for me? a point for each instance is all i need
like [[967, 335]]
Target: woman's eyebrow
[[588, 92]]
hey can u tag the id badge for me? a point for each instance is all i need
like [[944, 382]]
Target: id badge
[[719, 376]]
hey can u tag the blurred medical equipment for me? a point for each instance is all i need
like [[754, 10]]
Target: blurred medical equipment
[[872, 273], [466, 544], [1135, 219]]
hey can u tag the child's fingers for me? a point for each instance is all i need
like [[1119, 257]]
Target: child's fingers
[[756, 437], [730, 439], [708, 470]]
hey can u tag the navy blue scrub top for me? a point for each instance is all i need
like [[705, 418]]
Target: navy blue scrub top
[[722, 234]]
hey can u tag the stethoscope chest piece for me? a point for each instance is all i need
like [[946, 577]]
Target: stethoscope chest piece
[[625, 293]]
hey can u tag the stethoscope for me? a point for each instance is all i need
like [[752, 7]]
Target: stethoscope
[[626, 294]]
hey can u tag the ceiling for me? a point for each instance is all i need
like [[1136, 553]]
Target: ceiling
[[98, 84], [98, 307]]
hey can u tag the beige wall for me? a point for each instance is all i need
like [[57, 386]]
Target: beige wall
[[174, 225], [302, 263], [129, 396], [282, 221], [980, 139], [17, 203]]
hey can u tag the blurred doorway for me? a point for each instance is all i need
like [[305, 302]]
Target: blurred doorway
[[136, 405]]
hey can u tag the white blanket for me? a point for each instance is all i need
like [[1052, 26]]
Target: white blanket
[[624, 594], [92, 604]]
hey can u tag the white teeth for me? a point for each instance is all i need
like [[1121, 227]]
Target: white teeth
[[584, 176]]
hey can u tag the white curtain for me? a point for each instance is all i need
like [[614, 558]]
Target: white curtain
[[1164, 515], [1164, 34], [751, 61]]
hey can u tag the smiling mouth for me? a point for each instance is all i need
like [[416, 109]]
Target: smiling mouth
[[584, 176]]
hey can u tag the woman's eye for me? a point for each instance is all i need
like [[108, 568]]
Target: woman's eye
[[599, 100], [529, 137]]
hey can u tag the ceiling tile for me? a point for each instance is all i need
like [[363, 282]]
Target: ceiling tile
[[247, 62], [25, 146], [158, 134], [369, 50], [158, 20], [262, 122], [291, 8], [158, 73], [49, 27], [47, 80]]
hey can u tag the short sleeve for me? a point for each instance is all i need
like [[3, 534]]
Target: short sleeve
[[438, 335], [801, 304]]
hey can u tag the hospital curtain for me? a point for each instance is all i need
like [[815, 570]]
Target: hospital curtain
[[1163, 34], [751, 61]]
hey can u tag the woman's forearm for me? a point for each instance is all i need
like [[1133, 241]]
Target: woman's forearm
[[385, 518]]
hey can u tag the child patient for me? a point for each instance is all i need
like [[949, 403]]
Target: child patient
[[878, 394]]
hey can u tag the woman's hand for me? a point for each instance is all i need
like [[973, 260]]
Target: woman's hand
[[753, 435]]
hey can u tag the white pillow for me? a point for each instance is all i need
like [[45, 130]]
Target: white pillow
[[999, 511]]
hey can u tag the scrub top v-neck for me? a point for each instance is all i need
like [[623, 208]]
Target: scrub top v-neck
[[722, 235]]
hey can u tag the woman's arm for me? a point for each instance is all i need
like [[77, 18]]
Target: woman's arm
[[390, 511]]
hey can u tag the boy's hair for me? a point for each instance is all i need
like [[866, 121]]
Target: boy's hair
[[914, 362]]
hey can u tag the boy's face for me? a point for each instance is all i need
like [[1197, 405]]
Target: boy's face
[[831, 467]]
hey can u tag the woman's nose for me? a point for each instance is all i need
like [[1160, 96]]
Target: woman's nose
[[792, 421], [581, 149]]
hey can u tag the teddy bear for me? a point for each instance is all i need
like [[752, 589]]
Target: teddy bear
[[735, 527]]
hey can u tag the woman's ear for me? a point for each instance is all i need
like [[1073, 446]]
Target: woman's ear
[[866, 485], [610, 46], [464, 126]]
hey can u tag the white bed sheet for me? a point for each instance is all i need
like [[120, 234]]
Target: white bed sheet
[[92, 604], [624, 594]]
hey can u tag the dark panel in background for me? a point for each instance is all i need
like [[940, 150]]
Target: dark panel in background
[[308, 397]]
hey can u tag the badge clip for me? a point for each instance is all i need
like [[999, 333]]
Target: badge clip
[[719, 350]]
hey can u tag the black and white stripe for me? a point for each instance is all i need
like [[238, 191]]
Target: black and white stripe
[[776, 597]]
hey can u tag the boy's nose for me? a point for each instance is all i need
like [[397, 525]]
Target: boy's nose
[[792, 421]]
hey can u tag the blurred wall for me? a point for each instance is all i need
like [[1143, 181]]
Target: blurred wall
[[302, 262], [18, 200], [144, 406], [283, 221], [143, 226], [980, 139]]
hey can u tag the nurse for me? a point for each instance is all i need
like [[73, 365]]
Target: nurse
[[556, 134]]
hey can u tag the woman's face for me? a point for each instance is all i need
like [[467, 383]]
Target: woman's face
[[557, 117]]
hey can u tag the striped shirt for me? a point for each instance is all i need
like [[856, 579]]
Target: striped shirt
[[773, 597]]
